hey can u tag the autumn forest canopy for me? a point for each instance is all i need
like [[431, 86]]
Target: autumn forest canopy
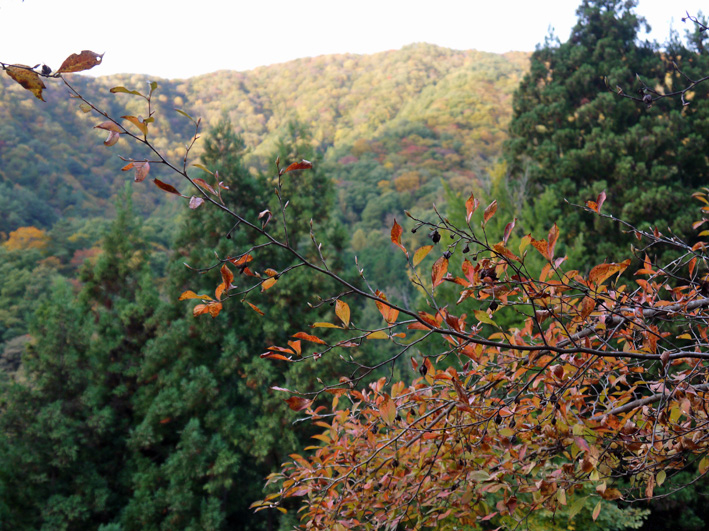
[[421, 289]]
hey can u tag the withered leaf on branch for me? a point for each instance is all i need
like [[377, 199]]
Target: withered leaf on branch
[[28, 79], [77, 62], [195, 202], [114, 133], [302, 165], [141, 171], [167, 187]]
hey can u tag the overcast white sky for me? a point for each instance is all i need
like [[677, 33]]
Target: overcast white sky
[[177, 39]]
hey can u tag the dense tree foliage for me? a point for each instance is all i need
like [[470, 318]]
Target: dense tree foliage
[[571, 134]]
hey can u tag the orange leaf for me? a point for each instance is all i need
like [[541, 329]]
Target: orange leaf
[[268, 283], [189, 294], [227, 276], [342, 310], [551, 239], [295, 345], [387, 410], [213, 308], [396, 232], [390, 314], [136, 122], [490, 211], [242, 260], [603, 272], [439, 270], [598, 203], [308, 337], [254, 308], [274, 356], [29, 80], [81, 61], [471, 205], [504, 251]]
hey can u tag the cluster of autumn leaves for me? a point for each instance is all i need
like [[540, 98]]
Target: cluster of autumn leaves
[[600, 379], [597, 394]]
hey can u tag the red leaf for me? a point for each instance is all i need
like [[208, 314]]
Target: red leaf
[[302, 165], [396, 232], [508, 230], [439, 270], [166, 187], [81, 61], [298, 403]]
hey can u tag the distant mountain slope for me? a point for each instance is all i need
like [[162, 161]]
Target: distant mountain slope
[[421, 110]]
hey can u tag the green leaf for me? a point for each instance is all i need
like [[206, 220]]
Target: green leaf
[[576, 507], [661, 476], [123, 90]]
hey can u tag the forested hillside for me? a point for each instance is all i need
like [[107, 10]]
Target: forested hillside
[[422, 102]]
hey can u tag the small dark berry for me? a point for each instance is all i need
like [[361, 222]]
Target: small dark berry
[[493, 306], [413, 231], [435, 236], [447, 255], [498, 419], [423, 370], [466, 249], [46, 70]]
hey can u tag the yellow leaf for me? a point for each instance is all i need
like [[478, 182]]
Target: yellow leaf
[[268, 283], [421, 253], [342, 310], [27, 79], [379, 334], [189, 294]]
